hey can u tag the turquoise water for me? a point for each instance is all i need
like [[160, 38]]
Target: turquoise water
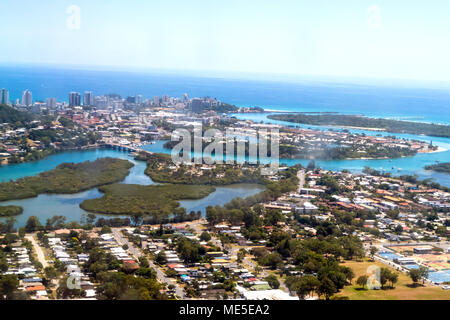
[[48, 205], [221, 196], [408, 165], [383, 99]]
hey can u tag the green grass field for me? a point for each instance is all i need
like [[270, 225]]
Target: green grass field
[[402, 290]]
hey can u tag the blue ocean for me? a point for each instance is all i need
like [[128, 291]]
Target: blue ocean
[[408, 101], [398, 101]]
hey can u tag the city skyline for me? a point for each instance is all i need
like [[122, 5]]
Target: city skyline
[[364, 39]]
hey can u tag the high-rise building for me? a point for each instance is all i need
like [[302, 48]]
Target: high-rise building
[[197, 105], [74, 99], [88, 98], [101, 103], [4, 96], [27, 98], [51, 103], [131, 99], [139, 99], [156, 100], [185, 98]]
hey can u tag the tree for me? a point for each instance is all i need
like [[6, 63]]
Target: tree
[[273, 281], [272, 260], [105, 229], [348, 272], [8, 285], [393, 278], [423, 273], [362, 281], [311, 165], [415, 275], [373, 251], [137, 218], [304, 286], [188, 250], [147, 273], [161, 258], [50, 272], [241, 255], [205, 236], [32, 224], [143, 262], [22, 232], [90, 218], [386, 275], [398, 229], [326, 288]]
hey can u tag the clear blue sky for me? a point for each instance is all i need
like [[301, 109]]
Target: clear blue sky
[[408, 40]]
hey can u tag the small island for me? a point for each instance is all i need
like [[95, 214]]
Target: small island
[[67, 178], [439, 167], [10, 211], [158, 201], [362, 122]]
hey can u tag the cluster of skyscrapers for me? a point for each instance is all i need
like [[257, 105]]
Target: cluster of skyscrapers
[[27, 97], [196, 105]]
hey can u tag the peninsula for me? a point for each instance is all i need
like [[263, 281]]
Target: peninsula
[[389, 125], [67, 178]]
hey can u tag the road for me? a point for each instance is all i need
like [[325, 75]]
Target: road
[[301, 179], [136, 253], [38, 250]]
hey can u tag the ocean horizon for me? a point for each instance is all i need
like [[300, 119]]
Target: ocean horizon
[[401, 102]]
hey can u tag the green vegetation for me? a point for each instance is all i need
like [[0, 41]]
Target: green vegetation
[[440, 167], [418, 274], [413, 179], [347, 152], [403, 290], [389, 125], [43, 135], [13, 116], [239, 210], [158, 201], [67, 178], [9, 211], [160, 170]]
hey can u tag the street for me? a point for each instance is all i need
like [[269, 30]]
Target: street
[[136, 253], [301, 179], [38, 250]]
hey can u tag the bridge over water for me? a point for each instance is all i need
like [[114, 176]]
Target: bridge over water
[[128, 148]]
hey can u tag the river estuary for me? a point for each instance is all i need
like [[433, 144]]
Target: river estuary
[[48, 205]]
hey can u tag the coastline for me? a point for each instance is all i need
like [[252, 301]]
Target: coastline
[[439, 149], [55, 151]]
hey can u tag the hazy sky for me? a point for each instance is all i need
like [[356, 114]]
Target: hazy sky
[[407, 39]]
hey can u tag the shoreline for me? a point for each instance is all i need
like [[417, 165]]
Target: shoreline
[[439, 149], [55, 152]]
